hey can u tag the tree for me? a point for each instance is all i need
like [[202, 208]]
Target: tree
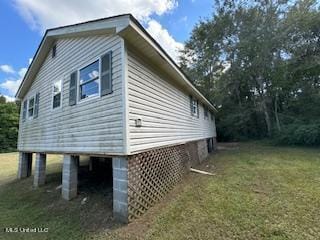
[[9, 122], [258, 62]]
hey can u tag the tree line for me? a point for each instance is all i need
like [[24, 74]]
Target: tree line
[[258, 62], [9, 124]]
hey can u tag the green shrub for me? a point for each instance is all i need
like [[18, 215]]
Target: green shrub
[[300, 134]]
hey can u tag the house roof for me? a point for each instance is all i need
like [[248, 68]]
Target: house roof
[[127, 27]]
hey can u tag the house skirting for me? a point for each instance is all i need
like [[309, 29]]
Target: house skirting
[[152, 174]]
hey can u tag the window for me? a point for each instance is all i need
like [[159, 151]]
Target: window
[[194, 107], [31, 107], [54, 50], [93, 80], [56, 101], [212, 116], [205, 112], [24, 111], [89, 80]]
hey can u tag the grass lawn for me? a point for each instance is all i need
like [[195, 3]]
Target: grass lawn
[[258, 192]]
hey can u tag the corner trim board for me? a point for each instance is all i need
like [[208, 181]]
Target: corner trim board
[[124, 59]]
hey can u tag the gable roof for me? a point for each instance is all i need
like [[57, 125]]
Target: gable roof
[[125, 26]]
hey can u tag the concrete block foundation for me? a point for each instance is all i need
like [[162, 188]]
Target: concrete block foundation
[[120, 188], [202, 150], [40, 170], [25, 165], [70, 176]]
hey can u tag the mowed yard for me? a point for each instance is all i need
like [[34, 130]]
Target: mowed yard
[[258, 192]]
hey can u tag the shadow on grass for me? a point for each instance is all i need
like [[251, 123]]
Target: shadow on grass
[[91, 211]]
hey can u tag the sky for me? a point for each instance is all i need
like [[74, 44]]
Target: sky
[[23, 23]]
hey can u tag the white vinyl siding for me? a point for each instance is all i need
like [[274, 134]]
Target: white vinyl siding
[[164, 110], [91, 126]]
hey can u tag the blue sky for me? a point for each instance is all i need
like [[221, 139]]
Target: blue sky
[[24, 21]]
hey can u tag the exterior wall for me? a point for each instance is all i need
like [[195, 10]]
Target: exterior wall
[[90, 126], [163, 108]]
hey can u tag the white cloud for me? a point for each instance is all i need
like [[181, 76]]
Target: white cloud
[[184, 19], [162, 36], [43, 14], [22, 72], [9, 99], [11, 85], [7, 68]]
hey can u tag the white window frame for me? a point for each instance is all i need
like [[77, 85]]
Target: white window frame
[[98, 95], [61, 82], [194, 107], [34, 101]]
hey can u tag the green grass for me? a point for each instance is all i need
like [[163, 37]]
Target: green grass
[[258, 192]]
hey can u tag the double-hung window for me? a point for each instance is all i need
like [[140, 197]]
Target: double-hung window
[[56, 101], [31, 107], [89, 80], [93, 80]]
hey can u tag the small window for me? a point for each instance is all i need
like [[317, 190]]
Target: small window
[[205, 112], [89, 80], [212, 116], [56, 101], [24, 111], [194, 107], [54, 50], [31, 107]]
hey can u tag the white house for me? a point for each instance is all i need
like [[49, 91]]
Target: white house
[[105, 88]]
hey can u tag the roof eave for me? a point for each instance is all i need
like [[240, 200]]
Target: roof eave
[[100, 26], [33, 62], [134, 24], [118, 24]]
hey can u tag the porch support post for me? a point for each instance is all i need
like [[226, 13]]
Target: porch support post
[[70, 176], [120, 188], [25, 165], [40, 170]]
